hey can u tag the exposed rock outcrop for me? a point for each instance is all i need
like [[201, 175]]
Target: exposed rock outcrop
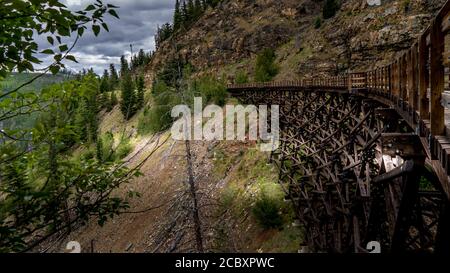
[[361, 35]]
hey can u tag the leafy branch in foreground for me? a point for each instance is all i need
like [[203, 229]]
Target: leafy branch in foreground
[[44, 187], [21, 20]]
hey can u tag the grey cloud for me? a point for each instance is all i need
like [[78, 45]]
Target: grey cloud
[[137, 26]]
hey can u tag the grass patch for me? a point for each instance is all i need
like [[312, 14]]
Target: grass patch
[[123, 149], [286, 240], [252, 204]]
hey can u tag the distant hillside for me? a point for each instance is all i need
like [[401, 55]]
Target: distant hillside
[[14, 80]]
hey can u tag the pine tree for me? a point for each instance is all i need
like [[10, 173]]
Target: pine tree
[[330, 9], [212, 3], [197, 9], [127, 105], [80, 121], [184, 15], [140, 92], [112, 101], [124, 68], [105, 100], [104, 84], [190, 11], [141, 58], [92, 121], [99, 150], [114, 78], [265, 68], [177, 17]]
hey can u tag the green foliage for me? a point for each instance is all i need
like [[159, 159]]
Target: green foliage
[[140, 59], [113, 101], [173, 86], [113, 78], [163, 33], [267, 211], [241, 77], [108, 152], [127, 105], [330, 9], [158, 118], [40, 185], [140, 96], [86, 115], [286, 240], [172, 73], [210, 89], [318, 22], [99, 149], [265, 69], [31, 95], [44, 190], [104, 82], [123, 149], [20, 20], [269, 208], [124, 67], [425, 184], [185, 15], [14, 80], [177, 16], [105, 151]]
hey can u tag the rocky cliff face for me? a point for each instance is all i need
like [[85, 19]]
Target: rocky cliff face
[[359, 36]]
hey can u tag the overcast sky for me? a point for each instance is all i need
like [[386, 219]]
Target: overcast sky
[[137, 26]]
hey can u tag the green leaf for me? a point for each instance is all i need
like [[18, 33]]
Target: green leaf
[[50, 40], [105, 26], [63, 48], [113, 13], [80, 31], [71, 58], [96, 29], [47, 51], [89, 8], [54, 69]]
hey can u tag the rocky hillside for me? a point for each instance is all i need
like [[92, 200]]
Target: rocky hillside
[[358, 36]]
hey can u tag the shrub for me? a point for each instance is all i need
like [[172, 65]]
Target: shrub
[[266, 210], [127, 105], [330, 9], [318, 23], [158, 117], [123, 149], [265, 69], [241, 77], [88, 154], [107, 147], [210, 89]]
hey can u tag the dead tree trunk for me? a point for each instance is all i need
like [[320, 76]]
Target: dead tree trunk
[[193, 193]]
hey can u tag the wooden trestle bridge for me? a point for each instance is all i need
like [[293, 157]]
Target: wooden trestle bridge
[[366, 156]]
